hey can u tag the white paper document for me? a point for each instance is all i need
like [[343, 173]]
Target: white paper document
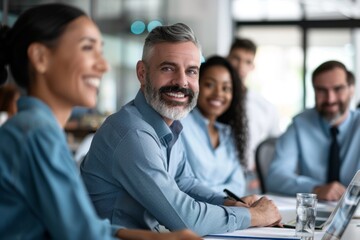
[[261, 233]]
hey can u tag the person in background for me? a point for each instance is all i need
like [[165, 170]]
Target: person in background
[[137, 158], [54, 51], [9, 94], [215, 133], [263, 118], [319, 137]]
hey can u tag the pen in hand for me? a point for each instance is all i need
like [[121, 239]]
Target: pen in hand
[[232, 196]]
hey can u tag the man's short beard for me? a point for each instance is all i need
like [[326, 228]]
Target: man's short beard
[[332, 118], [168, 109]]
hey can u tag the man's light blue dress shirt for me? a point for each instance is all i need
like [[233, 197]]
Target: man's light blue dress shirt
[[219, 167], [137, 176], [302, 152], [41, 193]]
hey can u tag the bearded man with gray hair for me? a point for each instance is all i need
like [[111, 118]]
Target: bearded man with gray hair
[[136, 171]]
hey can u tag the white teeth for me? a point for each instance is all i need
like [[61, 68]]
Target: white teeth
[[216, 103], [95, 82], [177, 95]]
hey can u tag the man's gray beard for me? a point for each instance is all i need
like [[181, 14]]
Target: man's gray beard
[[333, 118], [175, 112]]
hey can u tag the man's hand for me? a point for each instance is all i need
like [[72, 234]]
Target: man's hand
[[128, 234], [250, 199], [330, 192], [230, 203], [264, 213]]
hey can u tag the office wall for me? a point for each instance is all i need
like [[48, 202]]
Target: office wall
[[210, 19]]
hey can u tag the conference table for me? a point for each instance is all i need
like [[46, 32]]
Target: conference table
[[287, 206]]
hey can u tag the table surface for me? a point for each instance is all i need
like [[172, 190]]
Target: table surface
[[286, 206]]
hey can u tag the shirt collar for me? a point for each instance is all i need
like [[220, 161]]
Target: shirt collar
[[346, 123], [342, 127], [156, 121], [205, 122], [26, 102]]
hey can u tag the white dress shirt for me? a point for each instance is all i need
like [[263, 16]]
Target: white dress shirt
[[263, 120]]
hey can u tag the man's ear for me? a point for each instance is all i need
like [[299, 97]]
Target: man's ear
[[141, 72], [39, 57], [352, 90]]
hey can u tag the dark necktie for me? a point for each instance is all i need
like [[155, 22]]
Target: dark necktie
[[334, 157]]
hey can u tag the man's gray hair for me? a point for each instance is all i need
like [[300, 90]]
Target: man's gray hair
[[176, 33]]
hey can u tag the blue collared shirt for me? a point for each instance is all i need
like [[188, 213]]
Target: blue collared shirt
[[302, 152], [219, 167], [41, 193], [137, 176]]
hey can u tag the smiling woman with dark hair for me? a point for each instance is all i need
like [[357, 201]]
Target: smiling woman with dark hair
[[55, 52], [218, 127]]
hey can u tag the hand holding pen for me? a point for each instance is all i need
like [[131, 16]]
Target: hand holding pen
[[258, 208], [233, 200], [245, 201], [232, 196]]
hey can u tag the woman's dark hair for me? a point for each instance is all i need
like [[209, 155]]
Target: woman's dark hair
[[235, 115], [43, 24], [8, 94]]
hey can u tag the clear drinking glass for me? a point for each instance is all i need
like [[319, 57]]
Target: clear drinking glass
[[305, 215]]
